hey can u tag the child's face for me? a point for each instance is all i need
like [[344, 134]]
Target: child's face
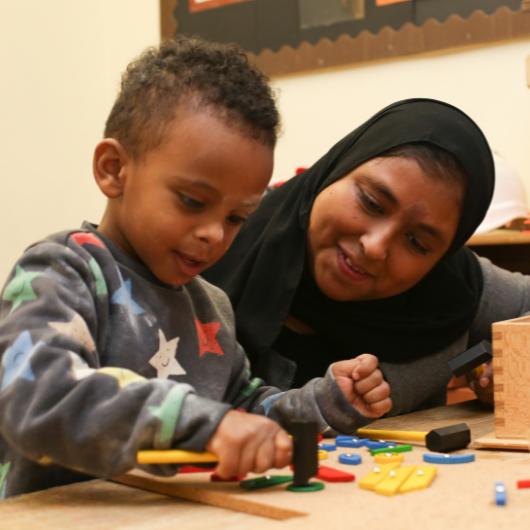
[[376, 232], [182, 204]]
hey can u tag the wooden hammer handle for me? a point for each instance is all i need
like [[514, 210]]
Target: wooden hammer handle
[[398, 436]]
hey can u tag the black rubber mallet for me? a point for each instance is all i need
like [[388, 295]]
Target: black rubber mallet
[[465, 362], [441, 440]]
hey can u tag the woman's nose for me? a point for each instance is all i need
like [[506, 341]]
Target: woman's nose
[[376, 242]]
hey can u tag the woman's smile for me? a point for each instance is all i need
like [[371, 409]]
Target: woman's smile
[[349, 268]]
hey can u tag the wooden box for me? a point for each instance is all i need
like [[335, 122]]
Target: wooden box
[[511, 368]]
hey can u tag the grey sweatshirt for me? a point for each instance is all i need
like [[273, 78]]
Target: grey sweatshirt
[[99, 360]]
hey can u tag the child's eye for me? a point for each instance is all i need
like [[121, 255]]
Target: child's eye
[[417, 245], [369, 203], [236, 219], [190, 202]]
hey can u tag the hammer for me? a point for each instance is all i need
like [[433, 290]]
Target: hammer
[[440, 440], [305, 453], [470, 359]]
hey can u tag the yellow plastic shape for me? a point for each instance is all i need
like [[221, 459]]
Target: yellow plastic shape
[[322, 455], [389, 458], [393, 480], [421, 478], [369, 482]]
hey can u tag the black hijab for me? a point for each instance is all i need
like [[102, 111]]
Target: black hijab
[[266, 277]]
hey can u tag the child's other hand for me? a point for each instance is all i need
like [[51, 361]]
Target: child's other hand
[[363, 384], [481, 382], [246, 442]]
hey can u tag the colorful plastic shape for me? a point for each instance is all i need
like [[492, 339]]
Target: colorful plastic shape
[[393, 481], [378, 473], [444, 458], [521, 484], [388, 458], [421, 478], [327, 446], [350, 441], [378, 444], [196, 469], [350, 459], [392, 448], [306, 488], [330, 474], [266, 481], [500, 494]]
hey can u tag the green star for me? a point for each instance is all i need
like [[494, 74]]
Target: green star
[[4, 470], [168, 413], [19, 289], [101, 286]]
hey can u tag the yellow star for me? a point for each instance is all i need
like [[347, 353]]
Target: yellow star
[[77, 330]]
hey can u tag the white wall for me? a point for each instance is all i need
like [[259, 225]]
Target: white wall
[[61, 62], [488, 83]]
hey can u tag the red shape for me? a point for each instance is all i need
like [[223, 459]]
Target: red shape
[[330, 474], [523, 484], [195, 469], [206, 334], [83, 238]]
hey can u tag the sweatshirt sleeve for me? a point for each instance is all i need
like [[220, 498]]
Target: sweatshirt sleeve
[[60, 402], [505, 295], [319, 400]]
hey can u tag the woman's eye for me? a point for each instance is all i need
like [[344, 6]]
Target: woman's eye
[[190, 202], [369, 203], [417, 245]]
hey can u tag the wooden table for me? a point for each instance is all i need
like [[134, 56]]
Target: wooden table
[[461, 496]]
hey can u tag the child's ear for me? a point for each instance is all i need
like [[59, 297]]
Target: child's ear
[[110, 160]]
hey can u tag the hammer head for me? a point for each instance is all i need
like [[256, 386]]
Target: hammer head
[[448, 438], [305, 450]]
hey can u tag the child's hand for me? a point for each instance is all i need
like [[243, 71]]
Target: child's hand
[[363, 385], [481, 382], [247, 442]]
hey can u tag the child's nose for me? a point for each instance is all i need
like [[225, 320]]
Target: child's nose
[[212, 233]]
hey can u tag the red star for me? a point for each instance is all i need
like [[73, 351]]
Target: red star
[[206, 334], [82, 238]]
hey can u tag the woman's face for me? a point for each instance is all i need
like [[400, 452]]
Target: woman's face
[[376, 232]]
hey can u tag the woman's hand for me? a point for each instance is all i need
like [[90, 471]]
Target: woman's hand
[[481, 382]]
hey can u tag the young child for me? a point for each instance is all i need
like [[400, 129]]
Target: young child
[[110, 342]]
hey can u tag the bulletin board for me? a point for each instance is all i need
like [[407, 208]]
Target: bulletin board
[[287, 36]]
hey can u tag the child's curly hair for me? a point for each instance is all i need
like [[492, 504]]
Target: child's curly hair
[[200, 75]]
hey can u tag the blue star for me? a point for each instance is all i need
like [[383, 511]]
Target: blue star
[[123, 296], [16, 359]]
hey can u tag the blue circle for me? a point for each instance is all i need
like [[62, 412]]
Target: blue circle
[[350, 459]]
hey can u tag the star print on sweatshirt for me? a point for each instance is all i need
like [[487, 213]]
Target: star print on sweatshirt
[[99, 359]]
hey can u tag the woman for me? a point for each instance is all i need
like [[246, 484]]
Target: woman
[[364, 252]]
